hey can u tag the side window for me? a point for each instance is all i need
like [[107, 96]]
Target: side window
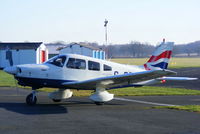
[[76, 63], [95, 66], [107, 68]]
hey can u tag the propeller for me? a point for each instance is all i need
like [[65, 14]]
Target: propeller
[[16, 85], [11, 69]]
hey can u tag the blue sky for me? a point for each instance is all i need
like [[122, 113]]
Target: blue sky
[[83, 20]]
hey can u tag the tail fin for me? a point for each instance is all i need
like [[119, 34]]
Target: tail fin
[[160, 57]]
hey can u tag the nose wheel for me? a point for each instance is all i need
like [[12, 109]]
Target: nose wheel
[[31, 99]]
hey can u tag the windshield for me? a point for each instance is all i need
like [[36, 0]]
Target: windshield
[[57, 61]]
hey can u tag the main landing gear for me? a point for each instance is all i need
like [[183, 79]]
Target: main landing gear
[[56, 96], [101, 96], [31, 99], [99, 103], [56, 100], [60, 95]]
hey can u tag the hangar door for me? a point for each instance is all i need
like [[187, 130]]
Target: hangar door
[[43, 56]]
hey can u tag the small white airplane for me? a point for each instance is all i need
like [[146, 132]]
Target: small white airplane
[[79, 72]]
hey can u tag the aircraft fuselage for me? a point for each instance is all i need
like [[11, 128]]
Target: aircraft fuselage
[[68, 68]]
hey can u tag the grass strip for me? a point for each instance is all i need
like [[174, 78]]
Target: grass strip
[[6, 80], [190, 108], [139, 91], [174, 62]]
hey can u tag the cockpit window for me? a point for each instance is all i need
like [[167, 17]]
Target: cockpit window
[[76, 63], [57, 61]]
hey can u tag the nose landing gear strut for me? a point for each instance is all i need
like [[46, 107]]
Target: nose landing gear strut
[[31, 99]]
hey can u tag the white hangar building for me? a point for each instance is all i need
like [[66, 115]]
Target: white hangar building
[[22, 53], [83, 49]]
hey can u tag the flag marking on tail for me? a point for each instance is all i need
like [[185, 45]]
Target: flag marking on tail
[[160, 57], [162, 65], [166, 54]]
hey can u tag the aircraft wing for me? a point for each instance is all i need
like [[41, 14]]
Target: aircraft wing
[[117, 80]]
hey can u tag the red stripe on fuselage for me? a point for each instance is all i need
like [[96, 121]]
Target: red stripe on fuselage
[[166, 54]]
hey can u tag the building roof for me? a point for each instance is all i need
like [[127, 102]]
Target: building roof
[[19, 45], [52, 49], [80, 44]]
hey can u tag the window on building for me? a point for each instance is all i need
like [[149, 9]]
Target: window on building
[[107, 68], [57, 61], [93, 65], [76, 63]]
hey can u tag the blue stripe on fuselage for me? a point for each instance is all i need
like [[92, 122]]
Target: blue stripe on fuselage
[[124, 86], [53, 83], [162, 65], [39, 83]]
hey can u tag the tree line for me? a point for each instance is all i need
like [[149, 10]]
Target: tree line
[[132, 50], [190, 49], [136, 49], [140, 50]]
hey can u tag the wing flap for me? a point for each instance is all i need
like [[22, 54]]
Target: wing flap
[[118, 80]]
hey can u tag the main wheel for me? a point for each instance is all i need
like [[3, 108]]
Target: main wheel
[[31, 99], [56, 100], [98, 103]]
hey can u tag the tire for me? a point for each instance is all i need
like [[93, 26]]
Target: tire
[[30, 101], [99, 103], [56, 100]]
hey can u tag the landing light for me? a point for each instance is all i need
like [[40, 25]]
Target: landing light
[[163, 81]]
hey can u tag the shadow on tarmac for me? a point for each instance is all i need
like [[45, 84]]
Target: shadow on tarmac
[[51, 108], [38, 109], [83, 103]]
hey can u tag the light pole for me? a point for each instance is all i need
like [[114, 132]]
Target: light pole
[[106, 35]]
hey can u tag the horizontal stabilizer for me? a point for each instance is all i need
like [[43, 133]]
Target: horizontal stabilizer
[[177, 78]]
